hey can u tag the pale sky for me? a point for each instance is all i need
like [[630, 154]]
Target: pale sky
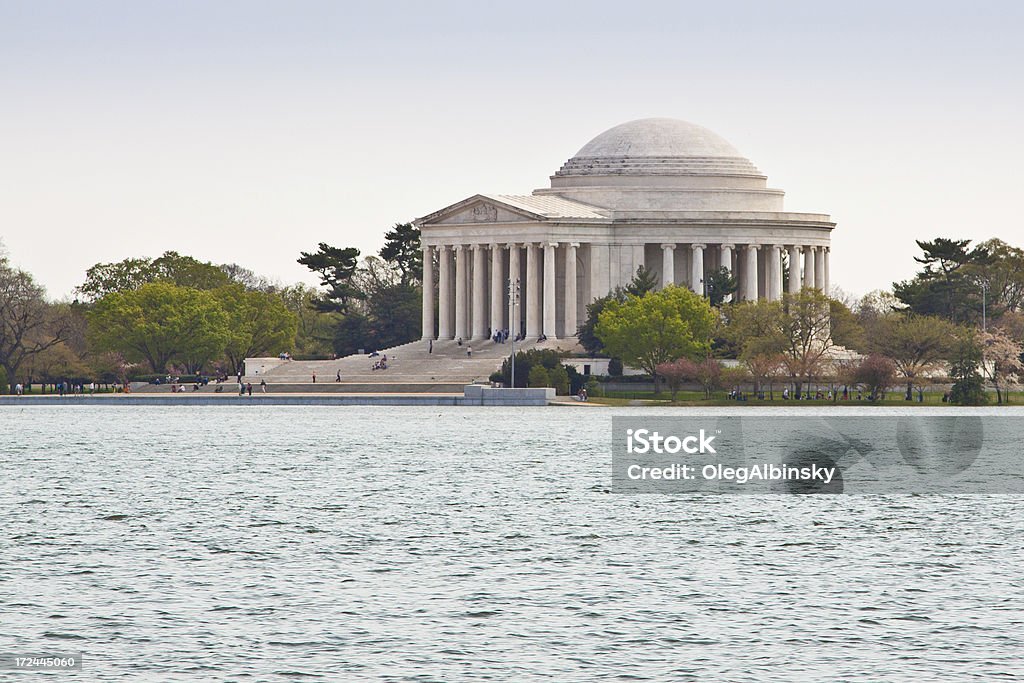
[[248, 131]]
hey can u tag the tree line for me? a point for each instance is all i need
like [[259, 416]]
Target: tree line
[[174, 314], [959, 319]]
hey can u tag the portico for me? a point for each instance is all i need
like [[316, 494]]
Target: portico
[[663, 194]]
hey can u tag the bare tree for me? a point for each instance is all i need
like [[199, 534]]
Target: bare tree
[[28, 323]]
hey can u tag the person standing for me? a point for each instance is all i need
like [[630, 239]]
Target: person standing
[[337, 377], [248, 387], [430, 349], [263, 385], [314, 378]]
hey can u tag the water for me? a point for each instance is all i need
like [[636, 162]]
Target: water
[[443, 544]]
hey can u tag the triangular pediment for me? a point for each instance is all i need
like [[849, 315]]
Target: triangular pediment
[[480, 209]]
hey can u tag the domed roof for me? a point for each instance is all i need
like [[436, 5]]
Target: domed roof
[[658, 147], [658, 138]]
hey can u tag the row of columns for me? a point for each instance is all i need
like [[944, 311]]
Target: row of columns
[[541, 316], [815, 268]]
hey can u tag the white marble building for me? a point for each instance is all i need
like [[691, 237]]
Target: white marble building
[[668, 194]]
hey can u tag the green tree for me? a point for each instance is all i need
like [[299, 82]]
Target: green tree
[[720, 284], [336, 267], [402, 249], [539, 377], [258, 323], [315, 328], [968, 384], [559, 379], [917, 344], [807, 331], [644, 280], [160, 323], [944, 286], [657, 327], [131, 273]]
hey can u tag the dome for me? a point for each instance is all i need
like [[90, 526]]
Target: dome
[[658, 138], [658, 147]]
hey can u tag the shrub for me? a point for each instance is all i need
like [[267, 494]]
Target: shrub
[[539, 377], [559, 379], [615, 368]]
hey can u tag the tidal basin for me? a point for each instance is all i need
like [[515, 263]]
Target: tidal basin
[[440, 543]]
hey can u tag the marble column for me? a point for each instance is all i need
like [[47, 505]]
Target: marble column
[[550, 315], [819, 268], [479, 292], [668, 264], [827, 281], [461, 331], [809, 259], [774, 265], [570, 289], [532, 292], [428, 293], [750, 274], [794, 269], [515, 308], [497, 289], [697, 268], [444, 292], [725, 258]]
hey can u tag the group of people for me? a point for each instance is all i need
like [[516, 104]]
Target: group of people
[[380, 364]]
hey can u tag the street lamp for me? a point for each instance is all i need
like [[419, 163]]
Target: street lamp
[[984, 312], [513, 323]]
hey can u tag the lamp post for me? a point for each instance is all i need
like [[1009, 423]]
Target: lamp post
[[513, 323], [984, 312]]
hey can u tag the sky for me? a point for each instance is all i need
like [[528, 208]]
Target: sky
[[247, 132]]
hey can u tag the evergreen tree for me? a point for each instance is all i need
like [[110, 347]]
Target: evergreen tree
[[968, 384]]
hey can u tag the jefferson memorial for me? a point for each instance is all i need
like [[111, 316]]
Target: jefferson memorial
[[666, 194]]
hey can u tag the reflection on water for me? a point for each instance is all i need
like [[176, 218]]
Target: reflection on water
[[199, 543]]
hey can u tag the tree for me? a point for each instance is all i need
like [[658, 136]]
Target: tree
[[1001, 361], [336, 267], [393, 306], [29, 325], [915, 343], [968, 384], [944, 286], [708, 374], [675, 373], [402, 249], [657, 327], [644, 280], [763, 367], [876, 373], [807, 331], [159, 323], [549, 359], [131, 273], [559, 379], [719, 285], [753, 328], [315, 328], [735, 377], [258, 323], [539, 377]]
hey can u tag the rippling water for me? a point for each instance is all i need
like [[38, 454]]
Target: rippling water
[[429, 544]]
